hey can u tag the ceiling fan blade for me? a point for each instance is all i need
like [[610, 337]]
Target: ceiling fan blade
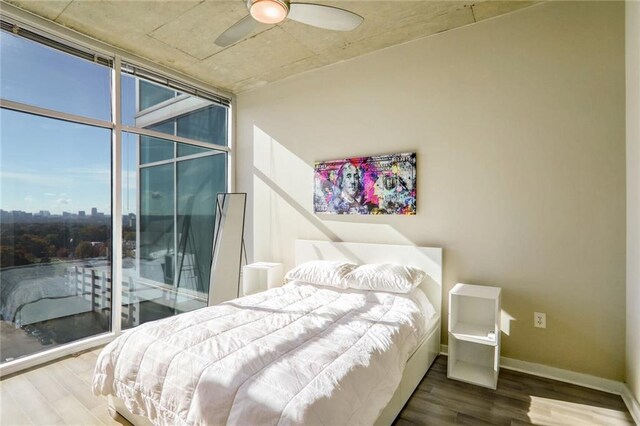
[[236, 32], [328, 17]]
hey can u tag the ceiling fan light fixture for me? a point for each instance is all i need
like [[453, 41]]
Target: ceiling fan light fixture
[[268, 11]]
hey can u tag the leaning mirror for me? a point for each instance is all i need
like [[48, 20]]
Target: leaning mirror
[[228, 246]]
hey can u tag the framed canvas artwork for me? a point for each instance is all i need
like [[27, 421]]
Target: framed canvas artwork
[[385, 184]]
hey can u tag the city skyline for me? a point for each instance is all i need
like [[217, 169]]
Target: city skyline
[[79, 213]]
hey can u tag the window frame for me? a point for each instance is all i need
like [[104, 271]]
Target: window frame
[[60, 37]]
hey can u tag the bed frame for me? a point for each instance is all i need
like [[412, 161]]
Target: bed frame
[[427, 258]]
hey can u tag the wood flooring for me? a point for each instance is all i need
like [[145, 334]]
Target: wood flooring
[[60, 393], [521, 399]]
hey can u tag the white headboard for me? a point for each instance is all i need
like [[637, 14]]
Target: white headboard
[[428, 259]]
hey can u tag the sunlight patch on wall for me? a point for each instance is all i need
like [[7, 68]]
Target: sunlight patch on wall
[[283, 206], [286, 170]]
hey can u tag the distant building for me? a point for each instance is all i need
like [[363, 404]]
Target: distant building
[[67, 214], [129, 220], [94, 212], [81, 213], [15, 216]]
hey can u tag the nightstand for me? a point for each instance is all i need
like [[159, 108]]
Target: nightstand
[[261, 276], [474, 334]]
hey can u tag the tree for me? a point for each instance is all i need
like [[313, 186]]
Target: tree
[[85, 250], [36, 246], [11, 257]]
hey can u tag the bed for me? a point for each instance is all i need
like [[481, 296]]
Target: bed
[[298, 354], [35, 293]]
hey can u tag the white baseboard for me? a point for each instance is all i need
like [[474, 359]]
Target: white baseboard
[[632, 404], [580, 379]]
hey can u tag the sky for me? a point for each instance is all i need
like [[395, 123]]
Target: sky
[[48, 164], [57, 166]]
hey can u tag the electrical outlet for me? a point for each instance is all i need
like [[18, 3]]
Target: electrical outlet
[[540, 320]]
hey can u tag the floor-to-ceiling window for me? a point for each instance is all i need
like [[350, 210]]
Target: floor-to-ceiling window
[[55, 198], [62, 165], [173, 186]]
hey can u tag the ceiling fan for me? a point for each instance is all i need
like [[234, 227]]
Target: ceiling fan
[[275, 11]]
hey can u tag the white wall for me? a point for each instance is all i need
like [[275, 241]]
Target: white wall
[[633, 196], [519, 127]]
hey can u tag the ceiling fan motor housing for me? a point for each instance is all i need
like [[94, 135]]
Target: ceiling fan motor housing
[[275, 11], [268, 11]]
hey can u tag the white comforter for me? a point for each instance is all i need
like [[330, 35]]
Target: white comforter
[[291, 355]]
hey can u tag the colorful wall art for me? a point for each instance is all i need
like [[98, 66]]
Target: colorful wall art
[[385, 184]]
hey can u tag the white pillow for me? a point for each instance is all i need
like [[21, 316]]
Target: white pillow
[[321, 272], [385, 277]]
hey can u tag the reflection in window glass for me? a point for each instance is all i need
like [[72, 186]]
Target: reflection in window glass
[[151, 94], [130, 307], [206, 125], [186, 149], [38, 75], [55, 227], [156, 246], [191, 117], [128, 102], [175, 214], [199, 181], [155, 149]]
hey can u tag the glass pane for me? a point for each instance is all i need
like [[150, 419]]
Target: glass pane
[[151, 94], [155, 149], [148, 263], [186, 149], [194, 117], [206, 125], [130, 309], [156, 223], [150, 268], [138, 95], [39, 75], [199, 180], [128, 99], [55, 227]]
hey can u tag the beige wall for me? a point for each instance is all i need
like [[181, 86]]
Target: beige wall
[[518, 123], [633, 196]]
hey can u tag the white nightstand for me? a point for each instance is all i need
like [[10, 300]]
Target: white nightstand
[[474, 334], [261, 276]]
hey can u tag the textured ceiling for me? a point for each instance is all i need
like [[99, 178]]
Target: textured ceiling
[[179, 34]]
